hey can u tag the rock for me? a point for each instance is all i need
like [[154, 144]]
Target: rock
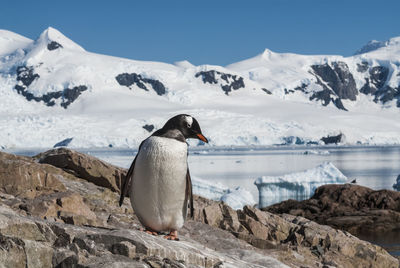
[[128, 80], [85, 167], [337, 84], [53, 45], [266, 91], [25, 77], [12, 253], [317, 244], [349, 207], [148, 127], [66, 206], [74, 204], [63, 258], [38, 254], [226, 81], [97, 241], [339, 78], [124, 248], [332, 139], [362, 67], [213, 215], [23, 177], [333, 245], [84, 226]]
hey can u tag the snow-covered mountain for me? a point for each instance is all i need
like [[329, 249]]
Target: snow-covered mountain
[[52, 90]]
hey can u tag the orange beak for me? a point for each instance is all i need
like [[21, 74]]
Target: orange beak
[[202, 138]]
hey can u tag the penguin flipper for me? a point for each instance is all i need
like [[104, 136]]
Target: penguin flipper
[[128, 177], [189, 193]]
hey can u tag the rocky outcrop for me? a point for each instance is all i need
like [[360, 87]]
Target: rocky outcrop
[[84, 166], [375, 85], [53, 45], [148, 127], [338, 78], [333, 139], [80, 223], [128, 80], [337, 83], [349, 207], [26, 75], [318, 245], [21, 176], [228, 82], [376, 80]]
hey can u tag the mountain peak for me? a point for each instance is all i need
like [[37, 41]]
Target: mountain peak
[[375, 45], [53, 35], [267, 53]]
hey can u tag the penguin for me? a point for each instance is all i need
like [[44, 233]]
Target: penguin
[[159, 180]]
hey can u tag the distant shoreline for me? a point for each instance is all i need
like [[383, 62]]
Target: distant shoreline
[[215, 149]]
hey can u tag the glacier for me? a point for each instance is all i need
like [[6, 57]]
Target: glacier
[[298, 185], [52, 89], [236, 198]]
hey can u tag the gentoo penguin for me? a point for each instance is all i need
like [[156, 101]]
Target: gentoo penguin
[[161, 187]]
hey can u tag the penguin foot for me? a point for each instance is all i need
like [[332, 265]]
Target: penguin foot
[[173, 235], [147, 231]]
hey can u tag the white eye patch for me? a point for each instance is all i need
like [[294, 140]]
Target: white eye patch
[[189, 121]]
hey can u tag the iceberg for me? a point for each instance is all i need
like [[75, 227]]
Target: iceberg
[[208, 189], [299, 185], [396, 186], [236, 198]]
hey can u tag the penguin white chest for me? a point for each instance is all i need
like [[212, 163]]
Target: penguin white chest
[[159, 184]]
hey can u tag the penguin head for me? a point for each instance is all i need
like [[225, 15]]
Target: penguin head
[[186, 124]]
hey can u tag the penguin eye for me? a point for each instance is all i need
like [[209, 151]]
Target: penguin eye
[[189, 125]]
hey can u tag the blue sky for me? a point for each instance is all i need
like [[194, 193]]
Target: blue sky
[[213, 32]]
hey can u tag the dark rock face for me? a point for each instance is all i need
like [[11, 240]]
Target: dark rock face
[[362, 67], [375, 86], [63, 143], [337, 83], [367, 88], [53, 45], [267, 91], [378, 75], [69, 95], [149, 128], [327, 96], [128, 80], [301, 88], [26, 75], [338, 78], [332, 139], [388, 93], [228, 82], [377, 79]]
